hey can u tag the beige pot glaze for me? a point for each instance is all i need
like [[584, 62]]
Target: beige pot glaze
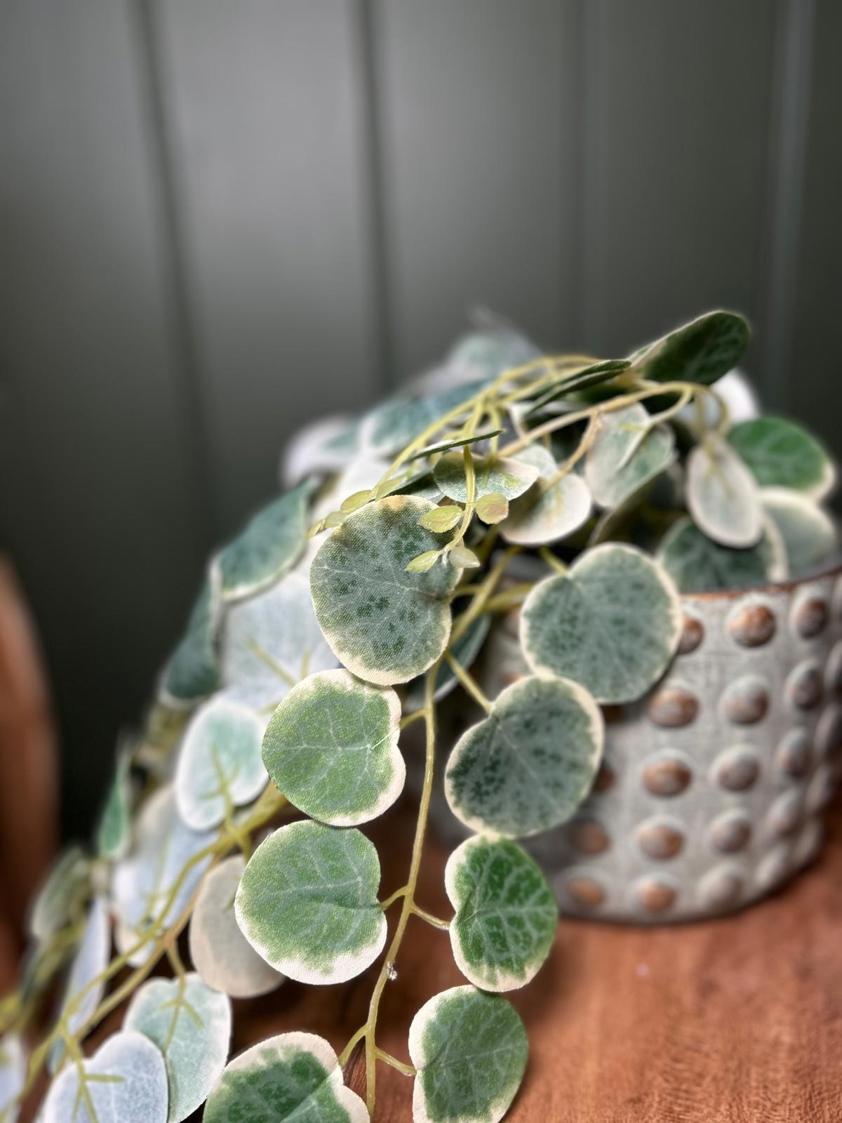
[[712, 787]]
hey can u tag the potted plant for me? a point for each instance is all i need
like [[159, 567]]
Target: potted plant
[[612, 599]]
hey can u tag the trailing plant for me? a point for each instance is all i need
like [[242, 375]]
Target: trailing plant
[[342, 615]]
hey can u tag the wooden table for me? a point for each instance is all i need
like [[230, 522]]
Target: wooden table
[[731, 1021]]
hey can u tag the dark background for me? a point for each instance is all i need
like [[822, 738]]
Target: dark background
[[221, 218]]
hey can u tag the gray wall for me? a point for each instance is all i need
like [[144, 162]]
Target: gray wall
[[223, 217]]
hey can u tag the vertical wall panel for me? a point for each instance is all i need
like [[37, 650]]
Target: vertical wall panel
[[479, 162], [677, 126], [97, 462], [813, 375], [266, 123]]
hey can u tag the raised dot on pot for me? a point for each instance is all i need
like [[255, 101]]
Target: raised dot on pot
[[673, 706], [810, 615], [785, 814], [803, 688], [666, 774], [746, 700], [736, 770], [751, 624], [654, 895], [692, 634], [660, 839], [833, 670], [585, 891], [794, 755], [828, 737], [730, 832], [588, 836], [721, 887]]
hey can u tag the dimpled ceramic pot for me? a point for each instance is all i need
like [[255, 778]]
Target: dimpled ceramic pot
[[712, 786]]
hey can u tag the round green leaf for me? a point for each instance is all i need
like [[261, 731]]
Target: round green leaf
[[219, 763], [125, 1081], [810, 536], [89, 962], [267, 547], [548, 513], [529, 764], [384, 624], [780, 453], [326, 445], [191, 1025], [612, 623], [115, 826], [148, 876], [393, 424], [506, 913], [700, 351], [62, 893], [308, 903], [12, 1075], [493, 474], [221, 954], [722, 496], [332, 748], [484, 355], [628, 451], [271, 642], [294, 1076], [469, 1050], [698, 565], [193, 670]]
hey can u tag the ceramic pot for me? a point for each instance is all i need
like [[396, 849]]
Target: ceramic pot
[[712, 787]]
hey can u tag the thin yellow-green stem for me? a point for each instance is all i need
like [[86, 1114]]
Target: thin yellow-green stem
[[468, 683]]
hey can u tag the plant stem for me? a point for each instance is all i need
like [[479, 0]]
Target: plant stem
[[467, 682]]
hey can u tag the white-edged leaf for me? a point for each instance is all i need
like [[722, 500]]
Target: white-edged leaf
[[548, 513], [124, 1082], [699, 351], [384, 624], [219, 763], [271, 642], [698, 565], [505, 913], [308, 903], [12, 1076], [529, 764], [191, 1025], [507, 477], [145, 880], [470, 1051], [327, 445], [628, 451], [114, 831], [331, 747], [612, 623], [193, 669], [266, 547], [221, 954], [780, 453], [810, 535], [293, 1077], [63, 891], [721, 495], [89, 962]]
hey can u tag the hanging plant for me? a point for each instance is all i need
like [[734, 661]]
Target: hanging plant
[[345, 612]]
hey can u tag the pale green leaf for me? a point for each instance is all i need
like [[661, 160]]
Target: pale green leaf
[[308, 903], [219, 763], [221, 954], [456, 441], [780, 453], [124, 1082], [89, 962], [698, 565], [470, 1051], [391, 426], [193, 670], [612, 623], [150, 875], [12, 1075], [271, 642], [191, 1025], [441, 519], [115, 825], [722, 497], [548, 513], [700, 351], [529, 764], [293, 1077], [507, 477], [810, 535], [464, 558], [492, 508], [332, 748], [384, 624], [61, 895], [505, 913], [423, 563], [627, 452], [267, 547], [485, 355]]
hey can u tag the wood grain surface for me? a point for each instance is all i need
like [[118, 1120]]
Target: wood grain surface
[[737, 1020]]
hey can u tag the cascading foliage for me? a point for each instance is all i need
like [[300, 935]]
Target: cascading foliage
[[342, 614]]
